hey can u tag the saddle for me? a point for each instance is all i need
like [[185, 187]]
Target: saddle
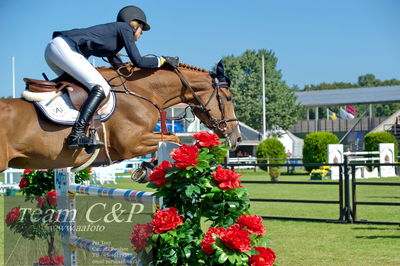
[[77, 92]]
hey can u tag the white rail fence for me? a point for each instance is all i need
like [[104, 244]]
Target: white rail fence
[[385, 154]]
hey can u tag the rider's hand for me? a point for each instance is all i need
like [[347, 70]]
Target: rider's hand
[[171, 61]]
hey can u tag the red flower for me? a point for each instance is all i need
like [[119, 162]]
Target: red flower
[[26, 171], [226, 179], [185, 156], [252, 223], [12, 216], [58, 260], [52, 197], [266, 257], [165, 220], [207, 140], [55, 260], [41, 200], [45, 260], [210, 237], [237, 239], [141, 236], [23, 183], [157, 176]]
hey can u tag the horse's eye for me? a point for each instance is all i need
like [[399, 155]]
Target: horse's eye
[[228, 98]]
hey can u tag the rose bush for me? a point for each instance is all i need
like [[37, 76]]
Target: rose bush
[[196, 188], [38, 185]]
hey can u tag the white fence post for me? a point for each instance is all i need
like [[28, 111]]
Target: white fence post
[[386, 155], [67, 214], [335, 155]]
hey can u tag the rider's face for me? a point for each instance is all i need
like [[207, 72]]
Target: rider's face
[[138, 32], [138, 29]]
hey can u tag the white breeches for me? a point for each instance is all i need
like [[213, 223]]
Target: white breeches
[[62, 56]]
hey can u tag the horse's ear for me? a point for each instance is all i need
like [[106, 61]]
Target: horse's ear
[[220, 74], [220, 69]]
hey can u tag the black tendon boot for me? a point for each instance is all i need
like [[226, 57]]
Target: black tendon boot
[[77, 139]]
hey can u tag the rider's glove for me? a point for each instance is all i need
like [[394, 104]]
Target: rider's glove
[[171, 61]]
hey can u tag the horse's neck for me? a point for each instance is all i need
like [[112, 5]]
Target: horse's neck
[[163, 87], [166, 89]]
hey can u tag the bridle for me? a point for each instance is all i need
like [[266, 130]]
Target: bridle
[[220, 124]]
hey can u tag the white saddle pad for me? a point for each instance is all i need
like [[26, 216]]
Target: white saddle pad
[[61, 111]]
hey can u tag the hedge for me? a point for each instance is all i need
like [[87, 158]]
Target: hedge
[[372, 140], [271, 148], [315, 149]]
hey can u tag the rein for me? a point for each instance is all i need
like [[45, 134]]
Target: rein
[[126, 90], [215, 123]]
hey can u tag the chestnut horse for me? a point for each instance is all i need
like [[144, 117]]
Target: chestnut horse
[[30, 141]]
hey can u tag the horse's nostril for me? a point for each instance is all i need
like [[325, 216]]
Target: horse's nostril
[[239, 139]]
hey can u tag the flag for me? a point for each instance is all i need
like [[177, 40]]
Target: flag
[[332, 115], [345, 115], [350, 109]]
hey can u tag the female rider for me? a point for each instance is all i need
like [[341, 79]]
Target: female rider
[[68, 52]]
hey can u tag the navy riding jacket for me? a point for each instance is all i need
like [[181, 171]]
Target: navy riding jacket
[[106, 40]]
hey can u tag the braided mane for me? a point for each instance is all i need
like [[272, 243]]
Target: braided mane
[[181, 65], [190, 67]]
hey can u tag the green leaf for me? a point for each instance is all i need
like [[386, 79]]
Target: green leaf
[[197, 189], [189, 191], [222, 258], [232, 258], [155, 237], [215, 189], [210, 195], [187, 251]]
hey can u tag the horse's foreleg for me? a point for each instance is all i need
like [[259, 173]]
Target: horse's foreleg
[[149, 142]]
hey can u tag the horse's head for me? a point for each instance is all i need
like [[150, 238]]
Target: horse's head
[[214, 107]]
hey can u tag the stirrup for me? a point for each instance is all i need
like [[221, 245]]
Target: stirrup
[[94, 143], [82, 141]]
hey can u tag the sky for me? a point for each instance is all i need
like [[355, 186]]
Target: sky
[[314, 41]]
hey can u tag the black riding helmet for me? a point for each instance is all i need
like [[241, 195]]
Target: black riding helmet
[[129, 13]]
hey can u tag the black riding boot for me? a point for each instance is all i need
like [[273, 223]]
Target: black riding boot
[[78, 139]]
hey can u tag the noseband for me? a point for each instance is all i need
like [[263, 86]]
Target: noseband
[[220, 124]]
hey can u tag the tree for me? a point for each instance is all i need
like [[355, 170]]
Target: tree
[[245, 74], [272, 149]]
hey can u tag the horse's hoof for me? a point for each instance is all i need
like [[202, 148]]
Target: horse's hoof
[[140, 175]]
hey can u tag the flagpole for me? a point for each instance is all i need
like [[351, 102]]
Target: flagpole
[[13, 75], [263, 98]]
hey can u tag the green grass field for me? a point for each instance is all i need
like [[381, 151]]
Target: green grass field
[[315, 243]]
